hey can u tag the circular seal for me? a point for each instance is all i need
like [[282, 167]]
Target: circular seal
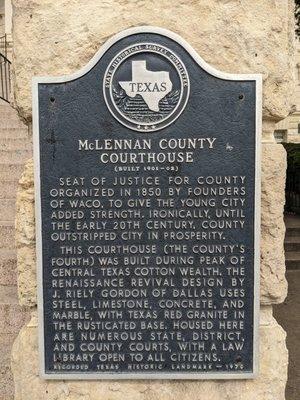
[[146, 87]]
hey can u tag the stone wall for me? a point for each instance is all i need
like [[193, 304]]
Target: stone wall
[[55, 37], [2, 18]]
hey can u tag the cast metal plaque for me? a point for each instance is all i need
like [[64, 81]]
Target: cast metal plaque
[[147, 215]]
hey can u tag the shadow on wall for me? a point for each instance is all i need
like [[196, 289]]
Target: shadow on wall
[[288, 313], [292, 189]]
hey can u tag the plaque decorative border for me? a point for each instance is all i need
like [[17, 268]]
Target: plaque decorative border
[[258, 122]]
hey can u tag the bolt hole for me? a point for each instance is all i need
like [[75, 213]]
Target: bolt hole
[[52, 99], [238, 359], [241, 96]]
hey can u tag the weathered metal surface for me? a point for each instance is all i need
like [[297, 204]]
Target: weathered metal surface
[[148, 215]]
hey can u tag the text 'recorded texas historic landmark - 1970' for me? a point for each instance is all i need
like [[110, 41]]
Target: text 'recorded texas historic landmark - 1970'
[[147, 196]]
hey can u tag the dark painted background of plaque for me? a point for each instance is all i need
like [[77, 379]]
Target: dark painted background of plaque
[[216, 108]]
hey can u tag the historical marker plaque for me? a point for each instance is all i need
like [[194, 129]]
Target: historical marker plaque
[[147, 196]]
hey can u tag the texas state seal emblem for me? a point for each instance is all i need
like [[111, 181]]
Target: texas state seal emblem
[[146, 87]]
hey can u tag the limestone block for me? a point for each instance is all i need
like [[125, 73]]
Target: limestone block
[[12, 316], [56, 37], [8, 264], [6, 379], [269, 385], [27, 281], [273, 282], [25, 238]]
